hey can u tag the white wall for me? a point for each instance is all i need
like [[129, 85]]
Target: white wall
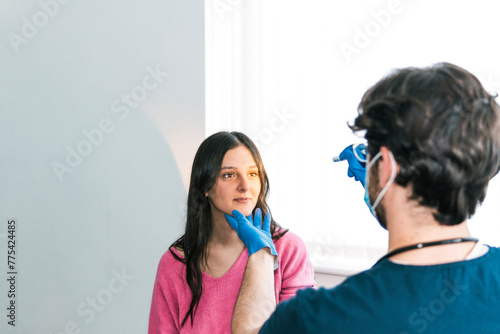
[[91, 77]]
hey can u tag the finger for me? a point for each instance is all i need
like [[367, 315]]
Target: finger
[[360, 153], [257, 220], [346, 153], [232, 222], [361, 149], [240, 218], [267, 223]]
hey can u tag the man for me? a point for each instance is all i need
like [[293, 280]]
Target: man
[[433, 145]]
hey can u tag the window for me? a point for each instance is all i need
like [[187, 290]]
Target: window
[[291, 73]]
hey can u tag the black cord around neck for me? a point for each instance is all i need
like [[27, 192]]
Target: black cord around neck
[[425, 244]]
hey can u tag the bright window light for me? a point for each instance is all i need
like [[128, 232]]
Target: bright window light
[[290, 74]]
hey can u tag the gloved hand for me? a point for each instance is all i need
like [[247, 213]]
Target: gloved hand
[[357, 167], [254, 235]]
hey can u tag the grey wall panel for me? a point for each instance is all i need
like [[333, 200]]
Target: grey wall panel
[[99, 101]]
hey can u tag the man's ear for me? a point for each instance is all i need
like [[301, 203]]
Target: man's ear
[[385, 166]]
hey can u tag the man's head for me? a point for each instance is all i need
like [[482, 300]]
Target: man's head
[[444, 131]]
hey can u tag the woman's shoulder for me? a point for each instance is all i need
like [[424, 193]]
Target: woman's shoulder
[[172, 261], [293, 257], [171, 276], [177, 251], [289, 240]]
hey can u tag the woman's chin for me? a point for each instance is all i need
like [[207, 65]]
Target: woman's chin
[[245, 211]]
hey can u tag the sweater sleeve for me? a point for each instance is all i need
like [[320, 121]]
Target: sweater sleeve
[[295, 268], [162, 319]]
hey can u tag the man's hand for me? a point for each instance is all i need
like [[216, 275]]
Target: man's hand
[[356, 157], [252, 232]]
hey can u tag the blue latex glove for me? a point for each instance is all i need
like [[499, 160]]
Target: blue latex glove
[[357, 164], [254, 235]]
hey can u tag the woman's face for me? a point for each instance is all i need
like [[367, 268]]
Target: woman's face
[[238, 184]]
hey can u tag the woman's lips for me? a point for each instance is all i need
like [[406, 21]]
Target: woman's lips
[[242, 200]]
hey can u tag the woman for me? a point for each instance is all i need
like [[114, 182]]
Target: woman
[[199, 277]]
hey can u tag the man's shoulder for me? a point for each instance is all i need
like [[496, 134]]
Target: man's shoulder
[[316, 310], [386, 290], [495, 251], [371, 284]]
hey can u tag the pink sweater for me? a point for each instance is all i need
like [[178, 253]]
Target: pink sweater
[[171, 294]]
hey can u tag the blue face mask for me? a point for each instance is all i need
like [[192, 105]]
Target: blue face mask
[[382, 193]]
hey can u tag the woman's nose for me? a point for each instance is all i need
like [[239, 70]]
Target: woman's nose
[[244, 185]]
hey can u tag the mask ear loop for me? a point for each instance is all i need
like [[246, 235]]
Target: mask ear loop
[[391, 180], [370, 163], [360, 158]]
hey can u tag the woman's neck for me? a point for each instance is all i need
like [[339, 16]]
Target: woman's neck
[[222, 233], [224, 247]]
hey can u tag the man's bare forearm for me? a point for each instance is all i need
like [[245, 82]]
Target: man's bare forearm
[[256, 300]]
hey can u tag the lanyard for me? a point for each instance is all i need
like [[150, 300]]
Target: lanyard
[[425, 244]]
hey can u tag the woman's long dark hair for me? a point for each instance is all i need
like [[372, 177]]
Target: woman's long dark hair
[[205, 171]]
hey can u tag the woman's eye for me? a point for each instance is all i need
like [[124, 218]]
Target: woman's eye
[[254, 174], [227, 175]]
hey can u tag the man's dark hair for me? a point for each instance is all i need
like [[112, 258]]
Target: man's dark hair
[[444, 130]]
